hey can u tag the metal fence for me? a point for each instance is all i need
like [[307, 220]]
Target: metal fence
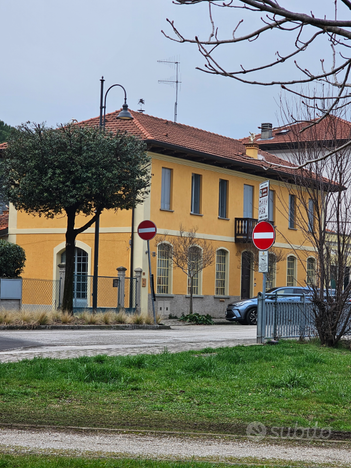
[[40, 294], [285, 319], [113, 293]]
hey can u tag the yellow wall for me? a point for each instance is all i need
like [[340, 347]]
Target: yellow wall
[[42, 238]]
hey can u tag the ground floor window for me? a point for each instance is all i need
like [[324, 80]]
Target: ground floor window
[[291, 271], [80, 294], [221, 272], [311, 272], [164, 269]]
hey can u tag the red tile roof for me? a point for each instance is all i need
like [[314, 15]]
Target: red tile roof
[[157, 132], [3, 145], [4, 222], [329, 129]]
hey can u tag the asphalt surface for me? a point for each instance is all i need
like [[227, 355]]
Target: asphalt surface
[[16, 345]]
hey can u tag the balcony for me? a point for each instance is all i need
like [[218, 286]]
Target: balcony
[[244, 228]]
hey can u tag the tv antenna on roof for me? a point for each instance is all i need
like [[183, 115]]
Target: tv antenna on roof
[[173, 81]]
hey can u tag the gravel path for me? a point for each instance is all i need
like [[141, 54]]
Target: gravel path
[[166, 447]]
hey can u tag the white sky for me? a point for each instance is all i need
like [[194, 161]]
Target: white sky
[[54, 53]]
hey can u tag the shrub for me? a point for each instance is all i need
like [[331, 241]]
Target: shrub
[[197, 319], [12, 259]]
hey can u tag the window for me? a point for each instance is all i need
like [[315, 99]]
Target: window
[[164, 252], [194, 269], [196, 193], [222, 206], [292, 211], [271, 205], [248, 201], [311, 272], [310, 215], [291, 271], [166, 189], [221, 272], [271, 271]]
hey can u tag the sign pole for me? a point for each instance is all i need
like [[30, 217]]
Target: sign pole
[[147, 230], [151, 283]]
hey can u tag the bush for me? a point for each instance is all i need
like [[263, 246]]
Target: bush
[[198, 319], [12, 259]]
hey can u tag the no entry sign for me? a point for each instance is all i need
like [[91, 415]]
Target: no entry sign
[[147, 230], [263, 235]]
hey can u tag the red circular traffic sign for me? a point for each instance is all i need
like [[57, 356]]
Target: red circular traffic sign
[[147, 230], [263, 235]]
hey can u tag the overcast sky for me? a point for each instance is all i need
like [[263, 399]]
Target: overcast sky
[[53, 55]]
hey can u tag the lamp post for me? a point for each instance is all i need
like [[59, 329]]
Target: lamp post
[[124, 115]]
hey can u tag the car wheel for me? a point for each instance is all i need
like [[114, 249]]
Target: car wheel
[[251, 317]]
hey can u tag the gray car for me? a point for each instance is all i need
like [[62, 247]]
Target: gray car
[[245, 311]]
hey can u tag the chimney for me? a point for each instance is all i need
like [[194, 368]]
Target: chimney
[[251, 149], [266, 131]]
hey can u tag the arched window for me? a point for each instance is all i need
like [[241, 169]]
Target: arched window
[[311, 272], [291, 271], [194, 269], [221, 272], [272, 261], [164, 254], [80, 294]]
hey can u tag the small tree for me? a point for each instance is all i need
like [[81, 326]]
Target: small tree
[[323, 210], [191, 255], [73, 169], [12, 259]]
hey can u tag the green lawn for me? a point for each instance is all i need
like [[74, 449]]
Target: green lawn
[[38, 461], [218, 391]]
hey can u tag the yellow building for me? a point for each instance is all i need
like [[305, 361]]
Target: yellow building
[[199, 180]]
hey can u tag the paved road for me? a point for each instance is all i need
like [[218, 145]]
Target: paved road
[[16, 345]]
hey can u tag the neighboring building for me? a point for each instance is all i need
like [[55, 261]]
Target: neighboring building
[[288, 140], [199, 179]]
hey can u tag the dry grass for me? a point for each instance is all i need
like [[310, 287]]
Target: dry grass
[[40, 317]]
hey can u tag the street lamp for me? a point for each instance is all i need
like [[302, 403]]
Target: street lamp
[[124, 115]]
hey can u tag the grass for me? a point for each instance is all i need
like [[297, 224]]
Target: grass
[[215, 391], [42, 461], [35, 318]]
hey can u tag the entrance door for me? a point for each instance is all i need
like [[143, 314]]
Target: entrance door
[[80, 292], [246, 267]]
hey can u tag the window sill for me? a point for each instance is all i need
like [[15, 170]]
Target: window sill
[[196, 214], [195, 296], [224, 219], [292, 229], [221, 297], [164, 209], [163, 296]]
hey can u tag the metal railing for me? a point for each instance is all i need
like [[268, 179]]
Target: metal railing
[[40, 294], [286, 318]]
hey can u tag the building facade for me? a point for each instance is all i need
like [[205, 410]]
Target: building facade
[[199, 180]]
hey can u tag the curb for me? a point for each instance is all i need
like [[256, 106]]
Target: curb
[[86, 327]]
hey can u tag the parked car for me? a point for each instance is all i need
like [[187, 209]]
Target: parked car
[[245, 311]]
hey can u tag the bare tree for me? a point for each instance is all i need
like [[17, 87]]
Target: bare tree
[[191, 255], [295, 31], [323, 212]]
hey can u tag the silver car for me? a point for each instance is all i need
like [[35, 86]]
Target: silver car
[[245, 311]]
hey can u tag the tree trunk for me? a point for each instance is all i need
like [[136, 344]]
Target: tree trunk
[[191, 294], [67, 302]]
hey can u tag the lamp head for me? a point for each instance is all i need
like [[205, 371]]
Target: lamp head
[[125, 114]]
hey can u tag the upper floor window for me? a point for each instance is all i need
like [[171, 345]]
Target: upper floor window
[[221, 272], [311, 272], [291, 271], [248, 201], [222, 205], [196, 194], [164, 252], [292, 211], [166, 186], [310, 215]]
